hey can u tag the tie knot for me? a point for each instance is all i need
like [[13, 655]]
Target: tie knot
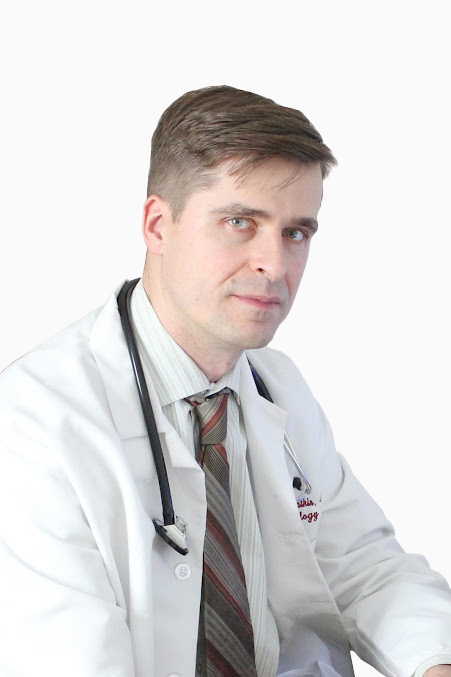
[[212, 417]]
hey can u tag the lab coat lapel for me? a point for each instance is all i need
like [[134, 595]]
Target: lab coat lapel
[[159, 589], [111, 354], [292, 570]]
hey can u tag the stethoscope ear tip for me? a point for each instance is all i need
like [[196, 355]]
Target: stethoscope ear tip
[[173, 534]]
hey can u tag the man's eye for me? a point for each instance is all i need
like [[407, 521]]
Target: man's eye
[[295, 234], [240, 223]]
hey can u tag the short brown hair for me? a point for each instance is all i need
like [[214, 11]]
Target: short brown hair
[[206, 127]]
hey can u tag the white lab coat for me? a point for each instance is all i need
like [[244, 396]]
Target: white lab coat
[[89, 589]]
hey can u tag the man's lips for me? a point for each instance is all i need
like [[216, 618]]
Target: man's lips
[[260, 301]]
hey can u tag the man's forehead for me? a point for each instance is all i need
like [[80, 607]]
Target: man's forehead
[[275, 173], [266, 182]]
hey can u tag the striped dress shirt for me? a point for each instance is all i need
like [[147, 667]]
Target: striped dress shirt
[[175, 376]]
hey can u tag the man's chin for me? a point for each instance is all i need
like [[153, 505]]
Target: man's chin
[[258, 340], [246, 337]]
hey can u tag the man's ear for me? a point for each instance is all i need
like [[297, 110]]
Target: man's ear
[[156, 216]]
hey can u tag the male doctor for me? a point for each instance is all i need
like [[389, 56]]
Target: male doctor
[[287, 568]]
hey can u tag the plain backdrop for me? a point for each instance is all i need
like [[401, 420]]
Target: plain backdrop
[[83, 85]]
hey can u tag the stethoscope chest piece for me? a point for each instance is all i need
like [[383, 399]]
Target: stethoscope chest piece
[[173, 534]]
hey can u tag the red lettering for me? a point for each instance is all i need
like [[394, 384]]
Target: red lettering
[[310, 517]]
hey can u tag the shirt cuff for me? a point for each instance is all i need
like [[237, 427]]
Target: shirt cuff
[[441, 659]]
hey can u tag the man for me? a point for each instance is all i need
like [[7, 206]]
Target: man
[[275, 580]]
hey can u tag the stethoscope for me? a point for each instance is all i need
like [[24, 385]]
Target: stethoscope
[[173, 528]]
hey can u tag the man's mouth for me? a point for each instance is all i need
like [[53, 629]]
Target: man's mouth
[[260, 300]]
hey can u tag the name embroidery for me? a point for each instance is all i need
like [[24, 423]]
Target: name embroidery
[[308, 516]]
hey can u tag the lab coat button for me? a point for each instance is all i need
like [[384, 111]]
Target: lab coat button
[[182, 571]]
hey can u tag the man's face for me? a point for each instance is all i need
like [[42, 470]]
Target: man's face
[[225, 275]]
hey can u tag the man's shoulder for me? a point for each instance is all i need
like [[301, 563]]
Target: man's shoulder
[[289, 390], [279, 373], [275, 365], [61, 367], [60, 350]]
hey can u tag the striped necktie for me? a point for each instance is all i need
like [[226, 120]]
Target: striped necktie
[[226, 641]]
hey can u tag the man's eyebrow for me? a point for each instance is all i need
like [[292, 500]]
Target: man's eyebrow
[[236, 209]]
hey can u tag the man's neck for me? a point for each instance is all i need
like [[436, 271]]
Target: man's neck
[[213, 368], [211, 360], [213, 363]]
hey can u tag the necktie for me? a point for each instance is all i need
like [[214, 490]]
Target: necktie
[[226, 635]]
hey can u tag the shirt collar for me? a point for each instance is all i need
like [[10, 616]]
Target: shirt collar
[[172, 371]]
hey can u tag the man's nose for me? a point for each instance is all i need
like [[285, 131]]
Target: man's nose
[[268, 257]]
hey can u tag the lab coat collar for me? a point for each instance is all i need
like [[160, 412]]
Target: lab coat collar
[[111, 355]]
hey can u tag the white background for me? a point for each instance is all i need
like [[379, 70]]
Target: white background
[[83, 85]]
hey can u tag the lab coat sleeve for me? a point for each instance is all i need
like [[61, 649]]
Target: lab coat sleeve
[[59, 615], [396, 610]]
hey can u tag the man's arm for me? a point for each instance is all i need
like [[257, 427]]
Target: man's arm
[[439, 671], [60, 614], [395, 608]]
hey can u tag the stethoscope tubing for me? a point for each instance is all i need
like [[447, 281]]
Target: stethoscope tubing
[[124, 306]]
